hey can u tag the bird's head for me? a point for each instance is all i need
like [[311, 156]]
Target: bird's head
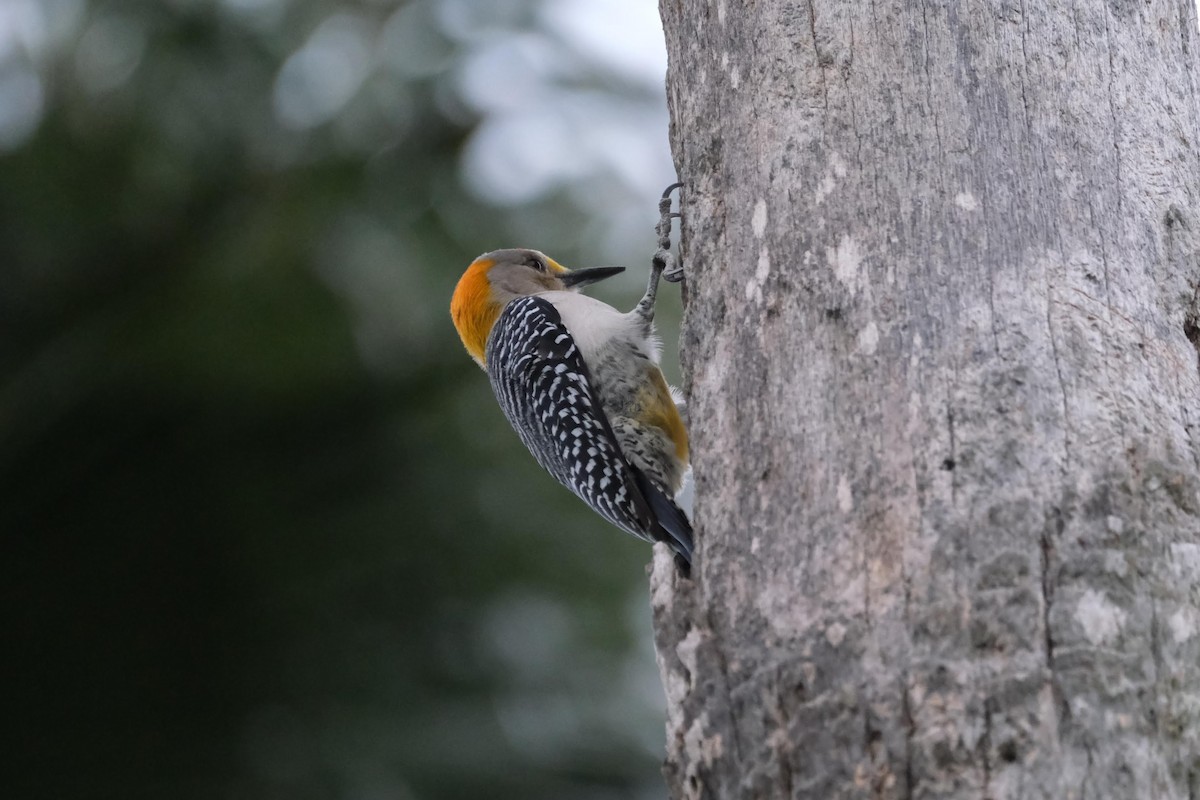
[[497, 277]]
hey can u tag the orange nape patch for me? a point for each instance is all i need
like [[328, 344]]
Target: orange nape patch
[[473, 309]]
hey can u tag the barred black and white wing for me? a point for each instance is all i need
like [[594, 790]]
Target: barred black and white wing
[[545, 389]]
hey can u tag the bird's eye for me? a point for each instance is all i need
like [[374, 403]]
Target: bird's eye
[[536, 263]]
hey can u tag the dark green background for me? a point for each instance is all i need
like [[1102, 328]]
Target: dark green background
[[268, 535]]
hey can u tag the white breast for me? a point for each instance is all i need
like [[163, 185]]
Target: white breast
[[595, 325]]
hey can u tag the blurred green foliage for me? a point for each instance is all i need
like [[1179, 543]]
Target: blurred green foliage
[[270, 535]]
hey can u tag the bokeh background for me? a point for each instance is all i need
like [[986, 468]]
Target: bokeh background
[[266, 534]]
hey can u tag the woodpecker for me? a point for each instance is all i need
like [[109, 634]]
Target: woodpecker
[[580, 382]]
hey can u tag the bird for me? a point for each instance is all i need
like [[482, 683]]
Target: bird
[[580, 383]]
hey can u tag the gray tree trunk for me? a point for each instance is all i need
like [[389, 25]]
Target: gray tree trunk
[[941, 355]]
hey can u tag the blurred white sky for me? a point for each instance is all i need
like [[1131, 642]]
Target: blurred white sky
[[566, 90], [546, 119], [541, 130], [563, 95]]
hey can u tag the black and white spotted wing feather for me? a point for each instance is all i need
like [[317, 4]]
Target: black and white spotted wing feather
[[544, 388]]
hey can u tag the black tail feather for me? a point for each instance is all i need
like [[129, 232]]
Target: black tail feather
[[673, 524]]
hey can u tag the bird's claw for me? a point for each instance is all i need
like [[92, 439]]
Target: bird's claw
[[664, 260]]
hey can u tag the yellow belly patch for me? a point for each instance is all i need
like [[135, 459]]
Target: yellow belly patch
[[658, 409]]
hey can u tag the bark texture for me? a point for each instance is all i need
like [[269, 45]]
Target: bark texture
[[941, 348]]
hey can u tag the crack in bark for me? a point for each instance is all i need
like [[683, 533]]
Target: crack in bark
[[866, 568], [1112, 107], [1047, 588], [812, 25], [1025, 66], [1103, 258], [850, 95], [953, 461], [1172, 221], [1184, 27], [992, 309], [905, 700], [985, 744], [1087, 313], [1156, 653], [785, 773], [929, 104], [910, 731], [1191, 326], [1087, 776], [1062, 386]]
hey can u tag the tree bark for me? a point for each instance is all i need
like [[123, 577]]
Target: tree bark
[[941, 355]]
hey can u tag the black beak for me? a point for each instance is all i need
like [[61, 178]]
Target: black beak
[[582, 277]]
